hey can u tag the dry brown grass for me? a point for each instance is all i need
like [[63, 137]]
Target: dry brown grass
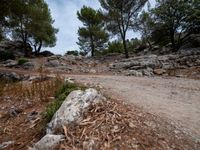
[[40, 90], [25, 97]]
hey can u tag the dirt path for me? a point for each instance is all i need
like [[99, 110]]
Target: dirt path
[[177, 100]]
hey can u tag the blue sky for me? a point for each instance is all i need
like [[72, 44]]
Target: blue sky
[[64, 14]]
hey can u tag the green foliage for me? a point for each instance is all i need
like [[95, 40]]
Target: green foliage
[[92, 37], [30, 21], [75, 53], [145, 26], [22, 61], [193, 18], [113, 47], [134, 43], [41, 27], [5, 55], [174, 16], [60, 96], [120, 16], [160, 35]]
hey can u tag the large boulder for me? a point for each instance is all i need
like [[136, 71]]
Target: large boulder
[[140, 62], [72, 109]]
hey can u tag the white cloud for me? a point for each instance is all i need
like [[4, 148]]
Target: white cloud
[[64, 13]]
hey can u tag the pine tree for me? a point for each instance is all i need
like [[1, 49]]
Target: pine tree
[[120, 16], [92, 37]]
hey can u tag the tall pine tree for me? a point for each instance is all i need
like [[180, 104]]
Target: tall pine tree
[[92, 37]]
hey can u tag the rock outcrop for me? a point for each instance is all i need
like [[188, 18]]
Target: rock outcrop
[[149, 65]]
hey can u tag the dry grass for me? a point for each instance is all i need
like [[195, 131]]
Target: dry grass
[[24, 98], [40, 91]]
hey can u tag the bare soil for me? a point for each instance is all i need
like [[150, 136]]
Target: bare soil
[[175, 99]]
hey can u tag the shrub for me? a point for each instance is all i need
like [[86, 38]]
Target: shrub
[[6, 55], [22, 61], [60, 96], [75, 53]]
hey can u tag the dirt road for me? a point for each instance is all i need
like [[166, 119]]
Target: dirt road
[[177, 100]]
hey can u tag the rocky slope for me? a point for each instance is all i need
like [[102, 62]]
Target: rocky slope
[[168, 65]]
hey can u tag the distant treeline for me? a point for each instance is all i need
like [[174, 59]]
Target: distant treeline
[[169, 22]]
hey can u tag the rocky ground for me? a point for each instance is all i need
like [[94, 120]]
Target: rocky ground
[[161, 110], [184, 63]]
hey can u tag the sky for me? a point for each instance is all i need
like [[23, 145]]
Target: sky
[[64, 12]]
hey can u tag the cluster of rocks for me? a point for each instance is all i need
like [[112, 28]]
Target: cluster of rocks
[[11, 76], [14, 47], [75, 64], [71, 111], [14, 64], [150, 65]]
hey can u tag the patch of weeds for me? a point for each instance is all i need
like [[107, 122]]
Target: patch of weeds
[[22, 61], [60, 96]]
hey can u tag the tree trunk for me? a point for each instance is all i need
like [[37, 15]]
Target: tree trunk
[[25, 47], [125, 48], [35, 48], [92, 46], [150, 46], [39, 47], [173, 41]]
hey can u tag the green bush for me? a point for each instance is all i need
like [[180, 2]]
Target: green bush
[[6, 55], [75, 53], [113, 47], [22, 61], [60, 96]]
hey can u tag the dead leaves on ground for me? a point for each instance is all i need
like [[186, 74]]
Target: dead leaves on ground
[[112, 125]]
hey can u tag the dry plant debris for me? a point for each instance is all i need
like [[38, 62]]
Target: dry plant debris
[[22, 105], [114, 126]]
